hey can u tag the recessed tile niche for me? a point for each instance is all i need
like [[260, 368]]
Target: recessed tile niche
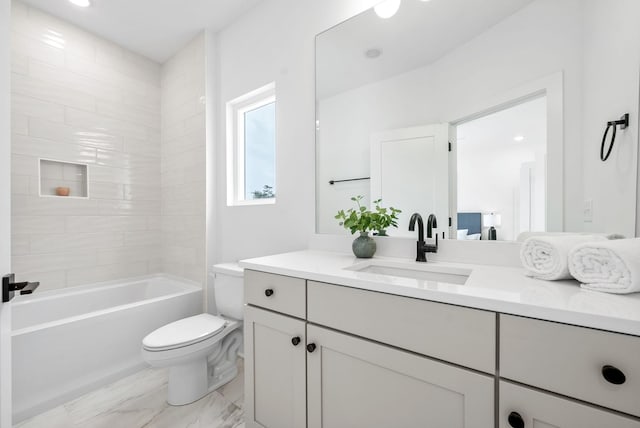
[[63, 179]]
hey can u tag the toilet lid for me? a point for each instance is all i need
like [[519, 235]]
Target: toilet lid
[[184, 332]]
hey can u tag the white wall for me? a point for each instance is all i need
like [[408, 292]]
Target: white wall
[[183, 171], [514, 52], [5, 212], [79, 98], [275, 42], [611, 88]]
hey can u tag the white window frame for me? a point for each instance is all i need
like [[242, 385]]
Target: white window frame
[[236, 144]]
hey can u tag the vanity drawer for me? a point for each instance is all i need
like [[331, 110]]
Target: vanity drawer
[[570, 360], [276, 292], [460, 335]]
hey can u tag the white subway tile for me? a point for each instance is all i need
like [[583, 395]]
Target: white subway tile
[[154, 222], [105, 273], [172, 267], [125, 160], [89, 68], [53, 261], [195, 123], [75, 81], [96, 122], [19, 123], [19, 244], [39, 147], [104, 190], [173, 131], [19, 12], [155, 266], [97, 223], [60, 33], [34, 107], [23, 205], [51, 92], [127, 113], [24, 165], [58, 242], [128, 254], [143, 208], [143, 175], [179, 254], [149, 148], [20, 184], [142, 238], [142, 192], [190, 141], [74, 135], [195, 272], [19, 63], [38, 49], [37, 224]]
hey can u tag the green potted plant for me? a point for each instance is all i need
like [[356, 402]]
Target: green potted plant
[[361, 219], [384, 218]]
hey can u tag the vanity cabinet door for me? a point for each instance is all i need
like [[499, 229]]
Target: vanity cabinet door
[[275, 384], [525, 408], [356, 383]]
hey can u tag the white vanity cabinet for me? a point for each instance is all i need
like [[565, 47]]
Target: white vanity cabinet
[[367, 359], [275, 370], [275, 355], [353, 382], [597, 367], [389, 352], [521, 407]]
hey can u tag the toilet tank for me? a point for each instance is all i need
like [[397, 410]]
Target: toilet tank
[[228, 290]]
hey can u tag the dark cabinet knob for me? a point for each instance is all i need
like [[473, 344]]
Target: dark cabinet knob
[[295, 341], [515, 420], [613, 375], [311, 347], [268, 292]]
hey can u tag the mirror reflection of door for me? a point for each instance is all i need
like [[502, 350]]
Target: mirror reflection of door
[[409, 170], [501, 169]]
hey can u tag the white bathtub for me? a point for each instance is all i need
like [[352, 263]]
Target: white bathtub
[[67, 342]]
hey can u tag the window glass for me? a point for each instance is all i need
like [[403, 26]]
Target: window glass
[[259, 152]]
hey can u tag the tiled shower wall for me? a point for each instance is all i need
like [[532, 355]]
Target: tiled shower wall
[[183, 175], [78, 98]]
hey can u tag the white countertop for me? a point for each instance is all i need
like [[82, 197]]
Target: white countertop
[[494, 288]]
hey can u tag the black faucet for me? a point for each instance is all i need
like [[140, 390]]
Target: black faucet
[[421, 247]]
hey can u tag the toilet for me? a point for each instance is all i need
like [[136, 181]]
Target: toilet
[[201, 351]]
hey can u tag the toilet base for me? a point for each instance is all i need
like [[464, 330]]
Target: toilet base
[[191, 381]]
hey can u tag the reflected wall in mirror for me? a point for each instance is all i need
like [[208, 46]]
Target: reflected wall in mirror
[[522, 89]]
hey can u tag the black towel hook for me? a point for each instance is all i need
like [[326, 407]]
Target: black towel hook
[[623, 123]]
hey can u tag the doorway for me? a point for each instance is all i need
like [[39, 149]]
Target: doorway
[[501, 162]]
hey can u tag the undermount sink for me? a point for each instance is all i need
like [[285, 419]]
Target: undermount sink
[[428, 272]]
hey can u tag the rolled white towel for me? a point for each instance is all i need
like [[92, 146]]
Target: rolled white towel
[[609, 266], [546, 256]]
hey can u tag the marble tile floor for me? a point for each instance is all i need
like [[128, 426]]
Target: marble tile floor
[[139, 401]]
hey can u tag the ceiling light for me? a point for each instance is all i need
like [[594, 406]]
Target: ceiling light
[[387, 8], [373, 53], [81, 3], [518, 138]]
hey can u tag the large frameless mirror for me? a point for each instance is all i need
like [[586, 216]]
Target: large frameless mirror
[[488, 114]]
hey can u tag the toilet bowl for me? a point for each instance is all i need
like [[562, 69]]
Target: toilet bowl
[[201, 351]]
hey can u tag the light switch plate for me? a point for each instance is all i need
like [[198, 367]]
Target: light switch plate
[[587, 211]]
